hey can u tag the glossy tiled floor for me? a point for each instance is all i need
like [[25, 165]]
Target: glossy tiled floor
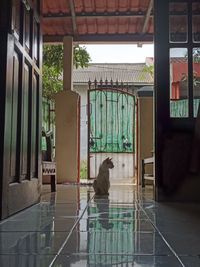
[[74, 228]]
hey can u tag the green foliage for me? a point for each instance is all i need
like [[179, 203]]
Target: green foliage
[[81, 57], [53, 67], [83, 169], [149, 69], [52, 81], [53, 56], [196, 55]]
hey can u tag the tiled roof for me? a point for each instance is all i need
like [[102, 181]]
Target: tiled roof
[[178, 60], [90, 20], [122, 72]]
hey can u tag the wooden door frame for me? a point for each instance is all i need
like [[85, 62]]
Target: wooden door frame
[[164, 124]]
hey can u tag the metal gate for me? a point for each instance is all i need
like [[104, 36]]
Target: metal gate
[[111, 131]]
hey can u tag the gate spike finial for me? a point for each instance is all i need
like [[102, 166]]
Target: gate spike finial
[[111, 82], [106, 81], [122, 85], [127, 87], [89, 83]]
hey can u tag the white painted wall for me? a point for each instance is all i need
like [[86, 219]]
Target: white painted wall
[[123, 162]]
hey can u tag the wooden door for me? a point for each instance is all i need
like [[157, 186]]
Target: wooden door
[[20, 152]]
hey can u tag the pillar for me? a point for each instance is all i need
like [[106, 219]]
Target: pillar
[[144, 128], [67, 111]]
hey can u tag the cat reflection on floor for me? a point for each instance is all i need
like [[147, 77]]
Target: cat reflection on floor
[[102, 203], [101, 184]]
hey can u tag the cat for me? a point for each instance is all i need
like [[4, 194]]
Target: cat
[[101, 184]]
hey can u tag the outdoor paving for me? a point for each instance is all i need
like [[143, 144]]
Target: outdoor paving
[[74, 228]]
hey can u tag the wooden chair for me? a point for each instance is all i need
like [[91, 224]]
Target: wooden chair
[[48, 165], [147, 176]]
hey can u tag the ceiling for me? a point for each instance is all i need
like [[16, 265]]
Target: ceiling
[[106, 21]]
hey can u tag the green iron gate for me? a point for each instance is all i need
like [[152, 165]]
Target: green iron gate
[[111, 121]]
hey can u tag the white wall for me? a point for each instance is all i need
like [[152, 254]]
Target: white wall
[[123, 165]]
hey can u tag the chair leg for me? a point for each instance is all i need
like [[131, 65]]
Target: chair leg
[[143, 171], [53, 183]]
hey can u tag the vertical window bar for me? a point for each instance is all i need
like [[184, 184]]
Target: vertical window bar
[[95, 133], [190, 61]]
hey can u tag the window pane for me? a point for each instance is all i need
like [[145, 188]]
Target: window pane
[[178, 26], [178, 82], [36, 40], [16, 18], [27, 27], [196, 79], [196, 22]]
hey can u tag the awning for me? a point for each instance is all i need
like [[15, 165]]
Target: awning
[[98, 20]]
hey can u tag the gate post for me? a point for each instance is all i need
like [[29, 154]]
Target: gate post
[[67, 111], [145, 130]]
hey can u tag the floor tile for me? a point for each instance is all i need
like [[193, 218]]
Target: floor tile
[[51, 210], [126, 228], [86, 224], [31, 242], [19, 260], [184, 244], [115, 212], [190, 261], [116, 241], [94, 260], [38, 224]]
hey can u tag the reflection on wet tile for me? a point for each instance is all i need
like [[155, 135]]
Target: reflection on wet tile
[[93, 260], [86, 224], [43, 210], [125, 228], [104, 210], [116, 242], [67, 194], [18, 260], [38, 223], [31, 242]]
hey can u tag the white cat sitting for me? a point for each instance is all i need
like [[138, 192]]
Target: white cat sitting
[[101, 184]]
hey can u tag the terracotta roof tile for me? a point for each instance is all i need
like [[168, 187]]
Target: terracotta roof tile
[[96, 17]]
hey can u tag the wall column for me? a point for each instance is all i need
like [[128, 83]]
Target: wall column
[[67, 122], [145, 130]]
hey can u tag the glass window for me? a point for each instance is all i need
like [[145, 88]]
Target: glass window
[[27, 15], [16, 18], [178, 26], [36, 40], [196, 22], [178, 82], [196, 79]]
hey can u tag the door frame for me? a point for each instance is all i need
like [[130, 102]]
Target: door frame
[[165, 125]]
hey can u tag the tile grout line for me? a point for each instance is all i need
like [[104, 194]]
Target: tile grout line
[[166, 242], [69, 235]]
